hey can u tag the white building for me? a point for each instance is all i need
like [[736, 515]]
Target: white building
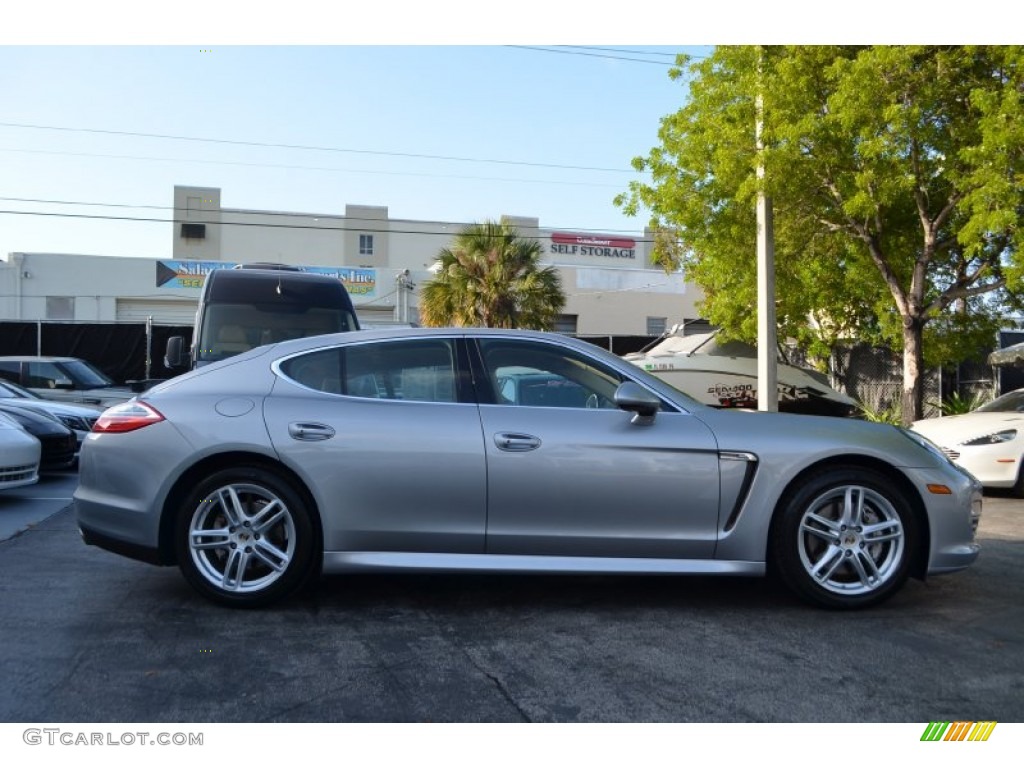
[[611, 284]]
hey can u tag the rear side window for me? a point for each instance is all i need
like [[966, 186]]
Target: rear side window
[[421, 370], [10, 370]]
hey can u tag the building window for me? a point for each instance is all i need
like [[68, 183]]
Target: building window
[[366, 245], [193, 231], [60, 307], [656, 325], [566, 323]]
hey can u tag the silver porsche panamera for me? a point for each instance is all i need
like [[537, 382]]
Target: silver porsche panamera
[[409, 449]]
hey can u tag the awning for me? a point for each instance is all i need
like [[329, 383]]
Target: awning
[[1012, 355]]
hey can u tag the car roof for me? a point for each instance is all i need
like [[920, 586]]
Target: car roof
[[405, 332], [294, 346]]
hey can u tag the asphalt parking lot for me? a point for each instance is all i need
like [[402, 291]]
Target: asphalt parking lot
[[92, 637]]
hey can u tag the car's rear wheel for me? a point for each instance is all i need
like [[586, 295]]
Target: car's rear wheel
[[845, 538], [245, 538]]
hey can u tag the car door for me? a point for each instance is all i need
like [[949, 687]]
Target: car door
[[570, 474], [389, 441]]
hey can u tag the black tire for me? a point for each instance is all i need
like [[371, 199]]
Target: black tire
[[1018, 487], [845, 538], [245, 538]]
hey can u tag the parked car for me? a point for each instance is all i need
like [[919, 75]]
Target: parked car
[[58, 444], [78, 418], [64, 378], [19, 455], [394, 450], [988, 442]]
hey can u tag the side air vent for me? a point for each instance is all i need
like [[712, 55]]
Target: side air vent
[[737, 470]]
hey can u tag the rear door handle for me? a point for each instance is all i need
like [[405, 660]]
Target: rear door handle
[[310, 431], [516, 441]]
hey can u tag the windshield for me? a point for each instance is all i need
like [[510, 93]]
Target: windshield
[[1011, 402], [230, 329], [85, 375]]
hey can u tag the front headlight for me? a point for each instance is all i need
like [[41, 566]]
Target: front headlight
[[993, 439]]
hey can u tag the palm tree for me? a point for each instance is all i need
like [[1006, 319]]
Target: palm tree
[[492, 277]]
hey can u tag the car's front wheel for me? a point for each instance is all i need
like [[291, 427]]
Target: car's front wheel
[[845, 538], [245, 538], [1018, 487]]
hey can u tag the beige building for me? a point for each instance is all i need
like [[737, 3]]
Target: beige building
[[611, 285]]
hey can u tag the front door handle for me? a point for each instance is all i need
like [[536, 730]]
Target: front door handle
[[516, 441], [308, 430]]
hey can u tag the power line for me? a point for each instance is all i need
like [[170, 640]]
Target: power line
[[239, 211], [301, 167], [311, 148], [369, 230], [621, 50], [584, 53]]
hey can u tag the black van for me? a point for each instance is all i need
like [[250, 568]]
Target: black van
[[256, 304]]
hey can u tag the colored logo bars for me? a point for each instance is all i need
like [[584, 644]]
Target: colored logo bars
[[960, 731]]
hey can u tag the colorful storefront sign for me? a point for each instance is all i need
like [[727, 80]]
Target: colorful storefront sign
[[361, 283]]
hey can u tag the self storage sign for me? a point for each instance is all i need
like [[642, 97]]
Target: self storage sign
[[576, 244]]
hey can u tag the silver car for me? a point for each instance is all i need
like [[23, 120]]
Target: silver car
[[396, 450]]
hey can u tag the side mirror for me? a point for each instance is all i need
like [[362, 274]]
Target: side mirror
[[630, 396], [62, 384], [173, 355]]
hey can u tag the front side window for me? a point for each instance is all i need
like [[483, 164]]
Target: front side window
[[421, 370], [546, 376], [45, 375]]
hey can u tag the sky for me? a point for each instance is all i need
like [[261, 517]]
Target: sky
[[449, 111], [444, 133]]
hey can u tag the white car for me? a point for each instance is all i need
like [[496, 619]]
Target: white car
[[988, 442], [19, 455]]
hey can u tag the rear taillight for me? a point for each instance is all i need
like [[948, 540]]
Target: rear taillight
[[127, 417]]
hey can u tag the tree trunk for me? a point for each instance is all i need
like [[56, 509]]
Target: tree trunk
[[913, 368]]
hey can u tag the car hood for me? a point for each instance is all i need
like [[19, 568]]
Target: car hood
[[103, 397], [787, 442], [953, 430]]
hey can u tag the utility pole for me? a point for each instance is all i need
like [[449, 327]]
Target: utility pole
[[403, 287], [767, 326]]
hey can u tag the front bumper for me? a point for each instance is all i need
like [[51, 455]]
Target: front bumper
[[952, 518]]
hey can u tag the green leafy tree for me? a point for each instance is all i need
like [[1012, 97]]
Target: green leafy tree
[[492, 277], [897, 179]]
